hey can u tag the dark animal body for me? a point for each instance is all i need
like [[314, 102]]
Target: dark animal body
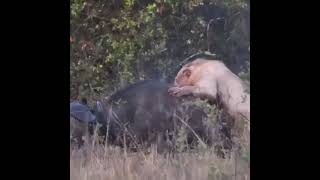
[[145, 113], [149, 114]]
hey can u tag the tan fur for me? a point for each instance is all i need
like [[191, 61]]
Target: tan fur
[[209, 79]]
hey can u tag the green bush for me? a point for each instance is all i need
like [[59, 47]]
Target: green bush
[[120, 42]]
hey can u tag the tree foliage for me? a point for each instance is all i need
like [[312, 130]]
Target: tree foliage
[[117, 42]]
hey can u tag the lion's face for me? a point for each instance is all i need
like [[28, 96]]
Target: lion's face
[[183, 77]]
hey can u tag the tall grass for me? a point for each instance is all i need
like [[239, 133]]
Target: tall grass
[[111, 163]]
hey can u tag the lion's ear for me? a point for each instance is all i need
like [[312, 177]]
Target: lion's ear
[[187, 72]]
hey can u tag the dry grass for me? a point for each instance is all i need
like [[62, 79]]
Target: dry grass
[[110, 163]]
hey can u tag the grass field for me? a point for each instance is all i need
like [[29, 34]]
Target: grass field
[[112, 163]]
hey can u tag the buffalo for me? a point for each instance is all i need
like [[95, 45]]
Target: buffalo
[[145, 114]]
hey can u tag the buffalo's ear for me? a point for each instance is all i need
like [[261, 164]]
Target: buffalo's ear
[[187, 72]]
